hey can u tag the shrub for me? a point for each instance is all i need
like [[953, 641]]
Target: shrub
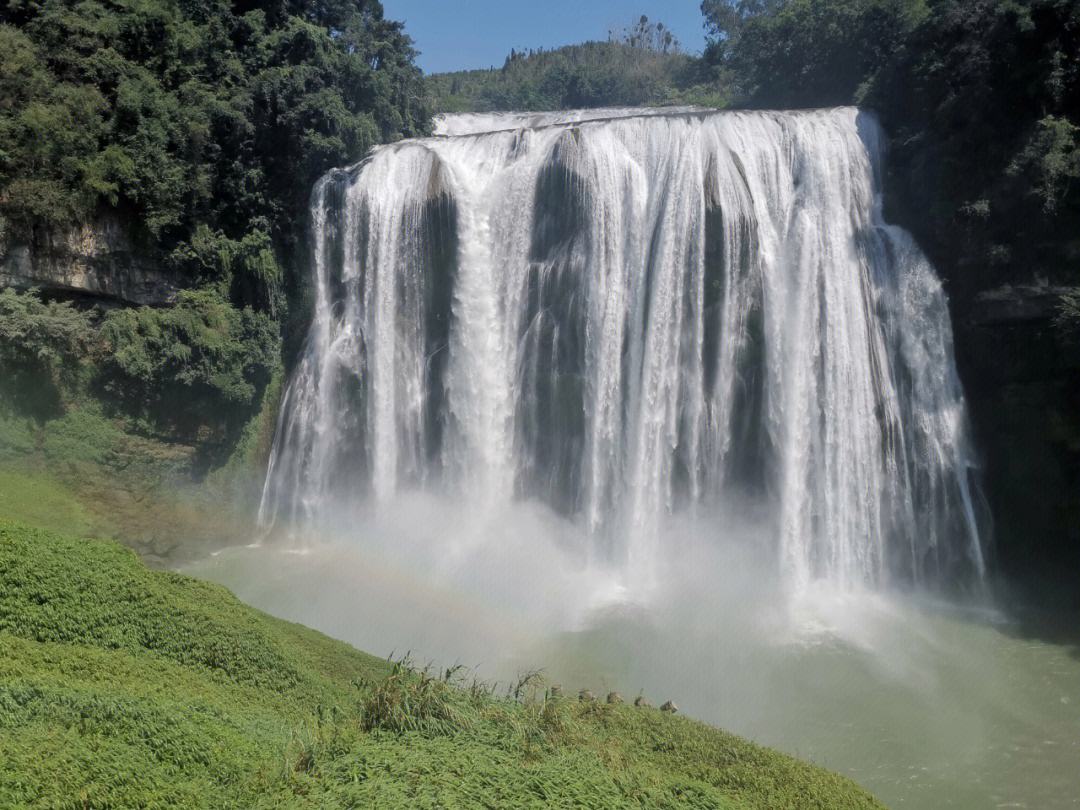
[[44, 351], [201, 363], [1067, 319]]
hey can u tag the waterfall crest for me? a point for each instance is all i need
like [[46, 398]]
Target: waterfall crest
[[634, 316]]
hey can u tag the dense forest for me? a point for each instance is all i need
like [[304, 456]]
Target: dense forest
[[202, 124]]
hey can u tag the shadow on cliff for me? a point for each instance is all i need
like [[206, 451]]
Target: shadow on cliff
[[1061, 628]]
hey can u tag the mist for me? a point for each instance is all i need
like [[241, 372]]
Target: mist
[[660, 404], [927, 703]]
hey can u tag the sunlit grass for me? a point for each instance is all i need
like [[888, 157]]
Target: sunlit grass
[[37, 498], [124, 687]]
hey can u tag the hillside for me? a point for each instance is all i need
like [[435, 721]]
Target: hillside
[[123, 687], [592, 74]]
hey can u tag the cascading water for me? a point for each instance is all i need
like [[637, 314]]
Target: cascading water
[[656, 401], [632, 317]]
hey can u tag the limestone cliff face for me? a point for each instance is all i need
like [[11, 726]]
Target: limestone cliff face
[[96, 259], [1023, 385]]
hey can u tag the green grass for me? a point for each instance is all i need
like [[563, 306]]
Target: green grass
[[84, 473], [37, 498], [122, 687]]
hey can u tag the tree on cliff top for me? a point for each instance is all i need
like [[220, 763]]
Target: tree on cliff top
[[194, 117]]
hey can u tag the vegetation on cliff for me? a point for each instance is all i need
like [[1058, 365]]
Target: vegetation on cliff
[[202, 124], [122, 687], [981, 99], [201, 362], [151, 426], [206, 121]]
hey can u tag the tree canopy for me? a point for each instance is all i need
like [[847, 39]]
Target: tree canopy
[[199, 120]]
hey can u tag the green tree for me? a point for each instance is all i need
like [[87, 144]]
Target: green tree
[[199, 363]]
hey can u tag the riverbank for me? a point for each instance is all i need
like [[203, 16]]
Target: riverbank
[[125, 687]]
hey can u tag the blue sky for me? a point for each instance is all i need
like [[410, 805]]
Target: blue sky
[[458, 34]]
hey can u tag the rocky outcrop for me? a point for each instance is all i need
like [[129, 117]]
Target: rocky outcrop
[[1022, 379], [96, 259]]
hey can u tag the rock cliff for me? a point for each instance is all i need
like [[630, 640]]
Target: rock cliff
[[1023, 385], [97, 259]]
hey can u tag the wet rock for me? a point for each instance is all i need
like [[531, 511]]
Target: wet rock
[[642, 702], [614, 698], [586, 696], [669, 707]]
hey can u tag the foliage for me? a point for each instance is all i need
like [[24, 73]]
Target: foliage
[[725, 20], [411, 700], [44, 348], [1051, 159], [982, 103], [199, 121], [648, 36], [638, 67], [1067, 319], [120, 687], [818, 52], [198, 363]]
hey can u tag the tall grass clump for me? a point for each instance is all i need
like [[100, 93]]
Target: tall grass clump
[[410, 699]]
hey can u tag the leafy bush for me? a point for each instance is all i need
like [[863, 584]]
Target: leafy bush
[[1051, 159], [45, 350], [198, 364], [413, 700], [1067, 319]]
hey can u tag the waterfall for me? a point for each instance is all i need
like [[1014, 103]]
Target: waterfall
[[630, 314]]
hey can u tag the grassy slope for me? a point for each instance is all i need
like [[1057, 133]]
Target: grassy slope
[[85, 474], [125, 687]]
